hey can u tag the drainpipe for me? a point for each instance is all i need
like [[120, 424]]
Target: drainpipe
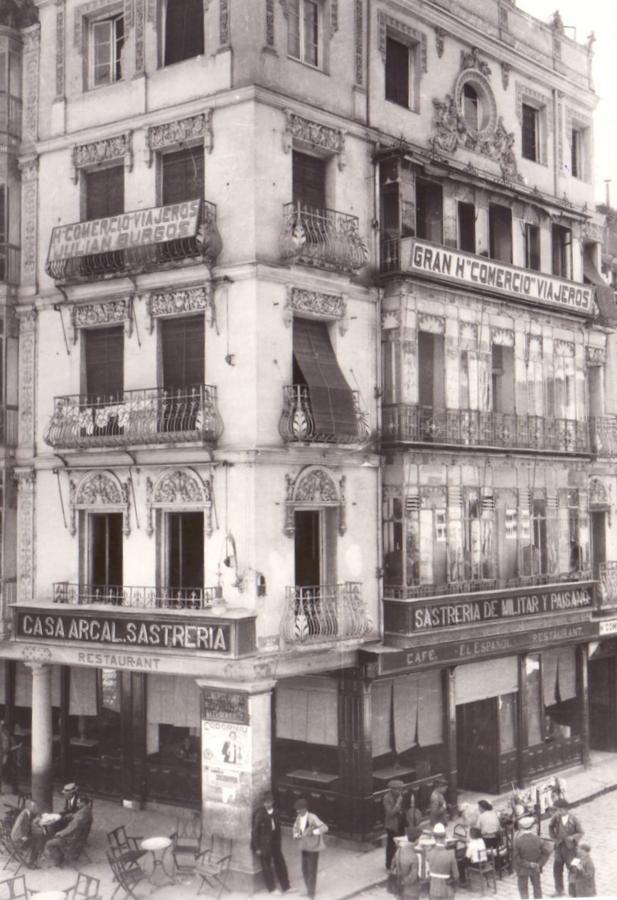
[[379, 491]]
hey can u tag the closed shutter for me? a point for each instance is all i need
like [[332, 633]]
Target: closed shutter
[[184, 30], [182, 346], [104, 352], [183, 175], [309, 180], [332, 402], [397, 72], [104, 193]]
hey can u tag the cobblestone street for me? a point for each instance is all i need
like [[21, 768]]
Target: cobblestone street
[[599, 820]]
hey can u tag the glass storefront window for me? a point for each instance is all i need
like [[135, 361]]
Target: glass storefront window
[[508, 708], [535, 706]]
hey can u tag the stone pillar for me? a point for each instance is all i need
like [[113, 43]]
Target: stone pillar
[[42, 736], [523, 705], [25, 534], [449, 731], [236, 753], [582, 656]]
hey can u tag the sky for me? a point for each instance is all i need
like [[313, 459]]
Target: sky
[[599, 16]]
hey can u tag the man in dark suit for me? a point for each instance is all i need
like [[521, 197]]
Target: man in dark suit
[[232, 752], [566, 831], [266, 843]]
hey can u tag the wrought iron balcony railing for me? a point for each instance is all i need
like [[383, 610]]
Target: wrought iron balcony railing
[[322, 237], [10, 115], [606, 594], [150, 416], [135, 597], [603, 431], [327, 612], [129, 247], [477, 585], [410, 423], [297, 422], [9, 264]]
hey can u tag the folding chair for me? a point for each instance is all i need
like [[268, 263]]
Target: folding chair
[[484, 869], [14, 889], [213, 866], [186, 844], [127, 846], [127, 874], [85, 888]]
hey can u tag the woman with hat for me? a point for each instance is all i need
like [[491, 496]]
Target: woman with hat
[[529, 856], [309, 830], [442, 867], [394, 817]]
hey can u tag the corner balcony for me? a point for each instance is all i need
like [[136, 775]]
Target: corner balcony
[[297, 422], [407, 423], [606, 593], [603, 432], [324, 613], [151, 416], [10, 114], [322, 237], [130, 597], [9, 264], [133, 242]]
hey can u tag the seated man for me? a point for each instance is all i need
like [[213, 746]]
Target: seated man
[[68, 843], [27, 837]]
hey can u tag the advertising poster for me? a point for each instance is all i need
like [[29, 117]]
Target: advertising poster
[[227, 762]]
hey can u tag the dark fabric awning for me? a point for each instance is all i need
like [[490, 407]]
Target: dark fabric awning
[[590, 272], [606, 303], [331, 398]]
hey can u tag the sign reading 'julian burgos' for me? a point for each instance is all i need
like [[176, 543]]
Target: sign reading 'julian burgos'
[[466, 268]]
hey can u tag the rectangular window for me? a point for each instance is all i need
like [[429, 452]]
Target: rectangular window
[[467, 227], [431, 363], [576, 147], [500, 232], [104, 363], [104, 192], [106, 43], [562, 251], [309, 180], [182, 352], [530, 133], [105, 549], [303, 31], [502, 378], [185, 552], [182, 175], [429, 210], [399, 69], [183, 29], [532, 246]]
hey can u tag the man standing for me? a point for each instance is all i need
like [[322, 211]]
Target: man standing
[[566, 831], [309, 830], [394, 817], [266, 843], [529, 855], [438, 806], [442, 867]]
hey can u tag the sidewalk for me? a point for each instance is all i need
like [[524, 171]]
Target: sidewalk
[[342, 872]]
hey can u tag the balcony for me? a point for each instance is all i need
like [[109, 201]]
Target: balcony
[[477, 585], [606, 594], [323, 238], [10, 115], [150, 416], [135, 597], [297, 422], [134, 242], [9, 264], [407, 423], [603, 432], [324, 613]]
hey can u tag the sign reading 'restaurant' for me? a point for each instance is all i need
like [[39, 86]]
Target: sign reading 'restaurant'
[[133, 229], [468, 269], [213, 637]]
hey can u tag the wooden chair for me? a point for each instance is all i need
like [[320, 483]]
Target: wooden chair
[[14, 889], [484, 870], [127, 874], [15, 855], [502, 856], [85, 888], [186, 845], [212, 866], [126, 846]]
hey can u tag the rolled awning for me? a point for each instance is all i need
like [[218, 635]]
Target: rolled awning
[[605, 295], [331, 398]]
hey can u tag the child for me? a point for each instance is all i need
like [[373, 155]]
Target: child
[[582, 873], [474, 852]]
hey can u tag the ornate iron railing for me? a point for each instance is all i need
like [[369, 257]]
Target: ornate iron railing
[[327, 612], [606, 595], [297, 422], [477, 585], [9, 264], [205, 245], [322, 237], [410, 423], [10, 114], [135, 597], [603, 432], [150, 416]]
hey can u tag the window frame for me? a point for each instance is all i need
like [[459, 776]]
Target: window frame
[[162, 40], [528, 228], [542, 104], [564, 248], [320, 46], [414, 70], [578, 153], [116, 44], [536, 131], [162, 155]]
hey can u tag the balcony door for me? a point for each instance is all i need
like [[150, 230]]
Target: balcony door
[[308, 549], [185, 557], [183, 372], [104, 197], [598, 541], [105, 551], [104, 377], [431, 385], [315, 571], [309, 181]]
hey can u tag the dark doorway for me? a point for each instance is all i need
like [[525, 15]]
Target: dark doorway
[[309, 181], [598, 541], [477, 745], [185, 562], [307, 548], [603, 704], [106, 549]]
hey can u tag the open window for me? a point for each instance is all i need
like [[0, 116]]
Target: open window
[[500, 232], [106, 38], [502, 366], [561, 238], [400, 67], [429, 210], [532, 246], [471, 107], [183, 30], [309, 180], [304, 32], [467, 227], [431, 365], [530, 133], [103, 197], [184, 557]]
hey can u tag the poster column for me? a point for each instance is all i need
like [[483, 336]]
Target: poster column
[[236, 748]]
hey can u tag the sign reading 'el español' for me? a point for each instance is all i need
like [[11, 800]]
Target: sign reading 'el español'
[[466, 268]]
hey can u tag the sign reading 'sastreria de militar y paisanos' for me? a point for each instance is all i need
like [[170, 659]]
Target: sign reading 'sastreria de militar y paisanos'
[[477, 271], [124, 231]]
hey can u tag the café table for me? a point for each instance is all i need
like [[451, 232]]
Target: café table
[[158, 846], [48, 895], [48, 822]]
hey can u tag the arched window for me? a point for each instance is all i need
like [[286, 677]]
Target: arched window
[[470, 107]]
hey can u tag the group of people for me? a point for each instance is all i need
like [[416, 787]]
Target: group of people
[[55, 843], [444, 868]]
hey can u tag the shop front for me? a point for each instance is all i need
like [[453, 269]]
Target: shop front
[[603, 688]]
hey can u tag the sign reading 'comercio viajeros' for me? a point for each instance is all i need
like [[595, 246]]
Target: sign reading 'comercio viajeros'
[[132, 229], [213, 637], [468, 269]]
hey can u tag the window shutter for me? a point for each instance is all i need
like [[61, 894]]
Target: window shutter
[[104, 352], [183, 175], [397, 72], [104, 193], [184, 30], [309, 180], [529, 136], [182, 345], [293, 28], [332, 402]]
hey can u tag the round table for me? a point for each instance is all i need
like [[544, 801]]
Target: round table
[[48, 821], [158, 847], [48, 895]]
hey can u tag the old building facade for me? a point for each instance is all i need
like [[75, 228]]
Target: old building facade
[[315, 423]]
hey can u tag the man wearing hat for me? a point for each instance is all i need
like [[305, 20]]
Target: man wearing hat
[[393, 816], [566, 831], [309, 830], [266, 843], [442, 865], [583, 873], [529, 856]]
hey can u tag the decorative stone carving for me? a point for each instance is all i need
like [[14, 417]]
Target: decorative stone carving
[[179, 302], [25, 534], [470, 59], [314, 134], [333, 17], [29, 169], [563, 348], [595, 356], [432, 324], [108, 312], [506, 68], [270, 24], [179, 488], [534, 347], [504, 337], [598, 495], [440, 40], [60, 49], [32, 44], [390, 318], [359, 42], [103, 150], [224, 23], [314, 304], [314, 485], [99, 490], [181, 131], [27, 353], [386, 23], [140, 27]]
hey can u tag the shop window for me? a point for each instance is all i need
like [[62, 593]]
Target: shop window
[[467, 227], [106, 44], [532, 246], [429, 210], [108, 723], [173, 721], [183, 29], [559, 695], [182, 175], [400, 68], [535, 704], [508, 733], [530, 133], [500, 232], [304, 27], [407, 713], [307, 710], [562, 251], [471, 107], [502, 384]]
